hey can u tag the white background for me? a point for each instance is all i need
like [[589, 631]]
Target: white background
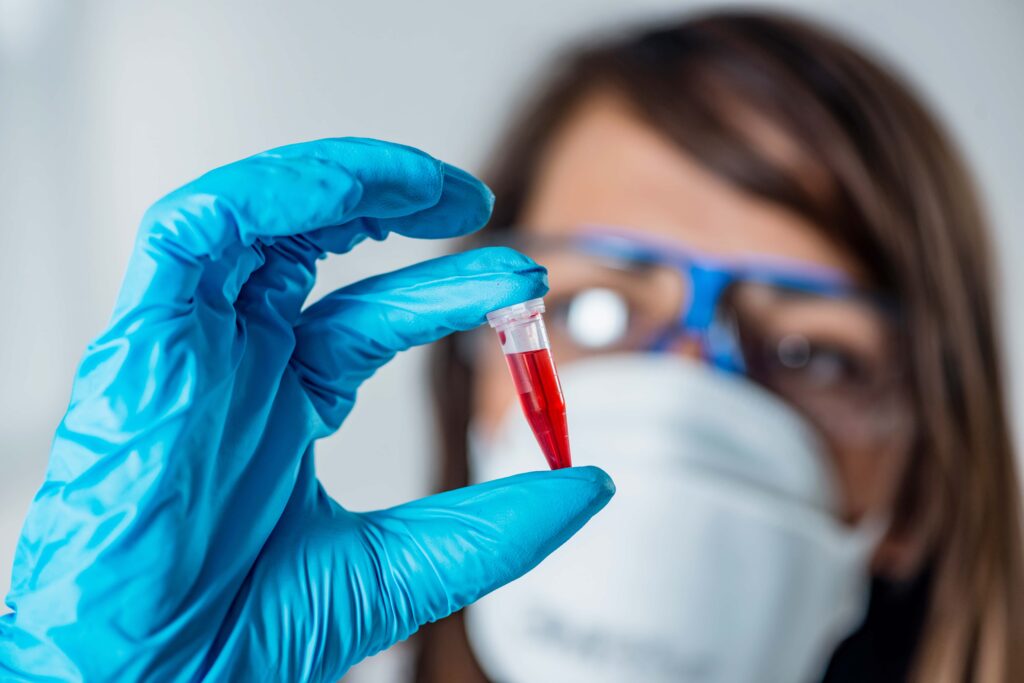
[[107, 105]]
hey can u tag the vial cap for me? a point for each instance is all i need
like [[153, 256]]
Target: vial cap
[[515, 313]]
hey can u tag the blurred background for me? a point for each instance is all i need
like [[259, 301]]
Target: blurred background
[[107, 105]]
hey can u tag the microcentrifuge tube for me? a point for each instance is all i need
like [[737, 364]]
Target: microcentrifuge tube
[[524, 341]]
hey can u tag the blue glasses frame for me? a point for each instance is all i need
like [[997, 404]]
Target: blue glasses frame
[[709, 277]]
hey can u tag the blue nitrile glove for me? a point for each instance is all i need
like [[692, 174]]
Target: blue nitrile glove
[[181, 533]]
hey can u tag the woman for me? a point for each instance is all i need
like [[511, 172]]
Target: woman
[[853, 266]]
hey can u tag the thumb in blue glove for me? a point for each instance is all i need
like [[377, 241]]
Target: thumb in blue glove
[[181, 533]]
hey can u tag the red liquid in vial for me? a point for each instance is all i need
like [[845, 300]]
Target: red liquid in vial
[[541, 397]]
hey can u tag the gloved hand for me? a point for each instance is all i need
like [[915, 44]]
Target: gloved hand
[[181, 533]]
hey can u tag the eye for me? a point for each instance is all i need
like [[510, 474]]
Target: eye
[[595, 318], [818, 364]]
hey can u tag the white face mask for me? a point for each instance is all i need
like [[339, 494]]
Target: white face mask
[[718, 560]]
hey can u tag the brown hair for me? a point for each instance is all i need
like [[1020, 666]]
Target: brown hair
[[877, 174]]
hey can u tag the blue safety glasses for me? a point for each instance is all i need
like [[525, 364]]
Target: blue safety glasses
[[707, 280]]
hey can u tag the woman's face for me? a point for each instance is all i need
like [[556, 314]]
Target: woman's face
[[606, 167]]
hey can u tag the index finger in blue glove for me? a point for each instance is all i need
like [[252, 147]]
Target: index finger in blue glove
[[357, 187], [288, 269], [343, 338]]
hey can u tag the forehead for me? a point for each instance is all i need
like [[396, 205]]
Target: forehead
[[607, 167]]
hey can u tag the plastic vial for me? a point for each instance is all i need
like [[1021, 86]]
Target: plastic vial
[[524, 341]]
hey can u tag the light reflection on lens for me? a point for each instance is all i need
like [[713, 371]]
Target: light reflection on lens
[[597, 318]]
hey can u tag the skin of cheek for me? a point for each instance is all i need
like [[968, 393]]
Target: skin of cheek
[[605, 167]]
